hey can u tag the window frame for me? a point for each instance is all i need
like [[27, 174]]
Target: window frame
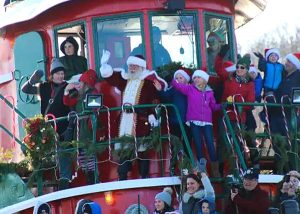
[[231, 35], [95, 20], [68, 25], [194, 13]]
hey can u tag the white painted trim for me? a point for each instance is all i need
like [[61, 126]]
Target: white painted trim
[[26, 10], [96, 188], [6, 77]]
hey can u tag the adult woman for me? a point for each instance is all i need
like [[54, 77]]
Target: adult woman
[[163, 201], [51, 93], [194, 193], [73, 63]]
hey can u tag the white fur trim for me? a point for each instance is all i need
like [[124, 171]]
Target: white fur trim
[[293, 59], [231, 68], [183, 73], [202, 74], [106, 70], [74, 78], [272, 50], [133, 60], [253, 69], [146, 73], [6, 77]]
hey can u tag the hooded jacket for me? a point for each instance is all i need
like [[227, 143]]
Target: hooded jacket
[[200, 103]]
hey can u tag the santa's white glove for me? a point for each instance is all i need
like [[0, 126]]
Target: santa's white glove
[[152, 120], [105, 69], [105, 57]]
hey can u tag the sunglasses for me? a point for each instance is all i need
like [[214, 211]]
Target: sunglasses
[[240, 67]]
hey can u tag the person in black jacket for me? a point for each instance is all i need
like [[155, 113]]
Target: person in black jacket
[[51, 93]]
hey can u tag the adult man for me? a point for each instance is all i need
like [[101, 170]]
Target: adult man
[[250, 199], [137, 88], [289, 81], [161, 55]]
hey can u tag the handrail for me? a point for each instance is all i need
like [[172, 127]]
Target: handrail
[[185, 139], [10, 105], [294, 147], [11, 135]]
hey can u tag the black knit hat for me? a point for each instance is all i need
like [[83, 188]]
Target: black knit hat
[[71, 40]]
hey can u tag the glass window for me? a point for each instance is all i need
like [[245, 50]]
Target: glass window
[[173, 39], [217, 34], [122, 37]]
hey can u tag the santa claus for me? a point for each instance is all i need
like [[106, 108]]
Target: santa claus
[[136, 86]]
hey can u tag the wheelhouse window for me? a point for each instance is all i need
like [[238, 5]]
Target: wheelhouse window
[[78, 33], [173, 40], [217, 34], [122, 36]]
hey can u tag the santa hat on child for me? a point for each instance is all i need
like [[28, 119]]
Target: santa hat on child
[[202, 74], [229, 66], [268, 52], [165, 195], [89, 77], [184, 72], [294, 58], [137, 60]]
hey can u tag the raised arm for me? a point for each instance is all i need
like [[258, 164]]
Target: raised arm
[[183, 88], [30, 87]]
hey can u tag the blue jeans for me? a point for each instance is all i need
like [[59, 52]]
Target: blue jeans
[[207, 131]]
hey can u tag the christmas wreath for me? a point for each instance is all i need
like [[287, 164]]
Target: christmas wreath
[[40, 142]]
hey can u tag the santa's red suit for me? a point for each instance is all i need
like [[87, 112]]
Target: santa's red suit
[[135, 91]]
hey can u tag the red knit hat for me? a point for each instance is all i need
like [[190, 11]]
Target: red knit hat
[[89, 77]]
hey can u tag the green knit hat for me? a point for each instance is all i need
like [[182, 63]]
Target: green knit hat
[[245, 60]]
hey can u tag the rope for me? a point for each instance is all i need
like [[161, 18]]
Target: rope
[[109, 133], [168, 126], [284, 118], [245, 147]]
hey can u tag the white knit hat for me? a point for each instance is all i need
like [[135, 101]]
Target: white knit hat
[[202, 74], [272, 50], [294, 58], [136, 60], [183, 73]]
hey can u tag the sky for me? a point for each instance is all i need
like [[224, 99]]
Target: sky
[[277, 13]]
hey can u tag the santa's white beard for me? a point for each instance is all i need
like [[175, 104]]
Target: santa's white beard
[[135, 75]]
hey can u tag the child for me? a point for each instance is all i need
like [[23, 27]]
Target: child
[[258, 82], [272, 68], [201, 103], [163, 201], [177, 98], [85, 86], [207, 206]]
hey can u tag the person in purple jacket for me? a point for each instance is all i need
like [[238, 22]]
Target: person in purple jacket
[[201, 104]]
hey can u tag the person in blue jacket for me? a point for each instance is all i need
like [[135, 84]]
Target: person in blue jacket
[[258, 82], [272, 68]]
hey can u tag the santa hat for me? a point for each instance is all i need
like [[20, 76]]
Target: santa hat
[[202, 74], [137, 60], [89, 77], [252, 68], [56, 66], [294, 58], [229, 66], [165, 195], [272, 50], [184, 72]]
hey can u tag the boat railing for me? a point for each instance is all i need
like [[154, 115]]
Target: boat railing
[[235, 135]]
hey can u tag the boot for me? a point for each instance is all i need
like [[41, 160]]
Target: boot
[[63, 184], [215, 169], [90, 177]]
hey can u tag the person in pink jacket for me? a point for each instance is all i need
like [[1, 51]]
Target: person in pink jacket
[[201, 104]]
